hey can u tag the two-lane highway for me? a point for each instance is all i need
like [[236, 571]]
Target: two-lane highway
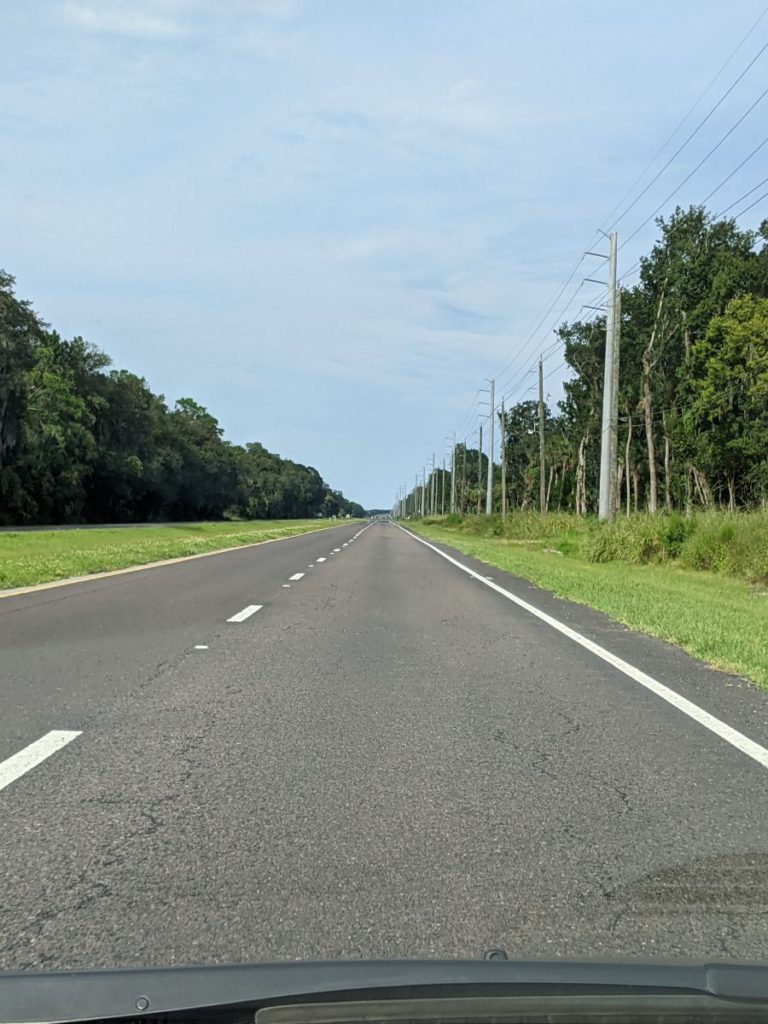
[[387, 758]]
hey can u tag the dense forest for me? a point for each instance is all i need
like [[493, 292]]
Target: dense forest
[[81, 442], [693, 389]]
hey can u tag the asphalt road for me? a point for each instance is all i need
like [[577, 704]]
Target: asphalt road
[[388, 758]]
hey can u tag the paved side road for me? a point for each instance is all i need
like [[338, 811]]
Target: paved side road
[[388, 758]]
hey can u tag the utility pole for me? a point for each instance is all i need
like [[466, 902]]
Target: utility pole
[[542, 469], [615, 400], [433, 488], [463, 493], [491, 418], [442, 490], [415, 495], [479, 468], [605, 504], [423, 490], [503, 462], [453, 475]]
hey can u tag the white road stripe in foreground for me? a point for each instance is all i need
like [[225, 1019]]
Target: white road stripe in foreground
[[245, 613], [296, 576], [19, 764], [716, 725]]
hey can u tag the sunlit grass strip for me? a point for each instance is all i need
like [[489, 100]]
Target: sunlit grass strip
[[46, 555]]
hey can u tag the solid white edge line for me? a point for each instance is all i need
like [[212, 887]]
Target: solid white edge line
[[297, 576], [246, 613], [716, 725], [19, 764]]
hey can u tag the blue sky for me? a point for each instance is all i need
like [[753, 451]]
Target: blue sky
[[329, 220]]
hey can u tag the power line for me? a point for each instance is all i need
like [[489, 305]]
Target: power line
[[564, 363], [531, 336], [545, 314], [521, 380], [734, 171], [701, 162], [558, 320], [685, 117], [468, 413], [748, 208], [741, 198], [695, 131]]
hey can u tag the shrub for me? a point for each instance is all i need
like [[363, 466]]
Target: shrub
[[636, 539], [736, 544]]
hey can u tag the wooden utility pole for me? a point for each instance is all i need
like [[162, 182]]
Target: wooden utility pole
[[479, 468]]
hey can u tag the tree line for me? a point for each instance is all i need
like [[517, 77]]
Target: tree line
[[81, 442], [693, 389]]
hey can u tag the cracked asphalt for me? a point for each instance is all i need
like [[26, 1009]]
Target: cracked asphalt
[[388, 759]]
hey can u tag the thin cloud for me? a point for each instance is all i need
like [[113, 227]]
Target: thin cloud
[[449, 317], [121, 21], [282, 10]]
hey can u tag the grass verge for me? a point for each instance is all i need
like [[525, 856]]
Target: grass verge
[[44, 555], [718, 619]]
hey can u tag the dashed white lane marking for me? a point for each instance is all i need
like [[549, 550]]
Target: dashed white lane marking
[[246, 613], [201, 647], [345, 544], [19, 764], [286, 586], [716, 725], [297, 576], [336, 551], [311, 565], [321, 559]]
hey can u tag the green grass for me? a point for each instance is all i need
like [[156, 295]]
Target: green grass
[[717, 618], [45, 555]]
